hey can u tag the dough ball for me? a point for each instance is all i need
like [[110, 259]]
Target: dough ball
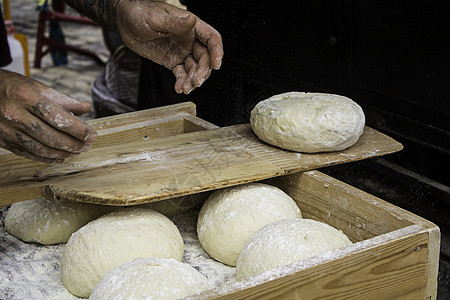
[[287, 241], [231, 216], [114, 239], [178, 205], [49, 221], [150, 278], [308, 122]]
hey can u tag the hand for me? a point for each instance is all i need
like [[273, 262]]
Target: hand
[[38, 122], [172, 37]]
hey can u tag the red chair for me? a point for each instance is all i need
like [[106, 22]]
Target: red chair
[[43, 41]]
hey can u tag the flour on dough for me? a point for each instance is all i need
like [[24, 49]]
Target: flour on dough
[[287, 241], [230, 216], [114, 239], [308, 122], [150, 278], [48, 221]]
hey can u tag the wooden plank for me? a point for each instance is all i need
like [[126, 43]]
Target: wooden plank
[[114, 129], [393, 269], [146, 171], [193, 123], [142, 115], [14, 168], [142, 130], [358, 214]]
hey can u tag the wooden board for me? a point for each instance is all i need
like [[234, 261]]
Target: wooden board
[[160, 168]]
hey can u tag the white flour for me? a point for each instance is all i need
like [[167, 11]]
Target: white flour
[[32, 271]]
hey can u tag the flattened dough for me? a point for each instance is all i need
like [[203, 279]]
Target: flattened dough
[[150, 278], [287, 241], [308, 122], [114, 239], [48, 221]]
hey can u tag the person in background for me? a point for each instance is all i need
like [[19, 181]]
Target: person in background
[[115, 90], [39, 123]]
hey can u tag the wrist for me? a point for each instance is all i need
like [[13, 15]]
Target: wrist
[[115, 6]]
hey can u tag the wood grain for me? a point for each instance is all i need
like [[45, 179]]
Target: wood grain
[[396, 269], [162, 153], [155, 169], [118, 129]]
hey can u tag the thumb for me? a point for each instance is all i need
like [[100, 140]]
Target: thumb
[[175, 21]]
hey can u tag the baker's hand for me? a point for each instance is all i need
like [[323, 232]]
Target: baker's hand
[[172, 37], [38, 122]]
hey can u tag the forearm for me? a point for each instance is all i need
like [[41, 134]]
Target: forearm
[[101, 11]]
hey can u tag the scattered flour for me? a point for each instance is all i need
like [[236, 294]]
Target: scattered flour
[[32, 271]]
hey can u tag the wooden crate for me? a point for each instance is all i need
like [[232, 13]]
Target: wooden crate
[[395, 253]]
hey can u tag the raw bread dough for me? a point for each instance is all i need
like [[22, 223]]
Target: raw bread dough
[[308, 122], [231, 216], [114, 239], [287, 241], [150, 278], [49, 221]]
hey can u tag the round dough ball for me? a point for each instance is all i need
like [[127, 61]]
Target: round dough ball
[[308, 122], [287, 241], [150, 278], [232, 215], [49, 221], [114, 239]]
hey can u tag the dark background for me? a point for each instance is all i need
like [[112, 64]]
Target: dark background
[[390, 56]]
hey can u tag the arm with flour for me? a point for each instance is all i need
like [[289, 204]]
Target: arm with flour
[[38, 122], [163, 33]]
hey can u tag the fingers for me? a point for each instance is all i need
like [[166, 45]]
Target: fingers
[[180, 75], [40, 133], [202, 57], [22, 144], [76, 107], [64, 120], [185, 76], [26, 135], [38, 122], [195, 70], [212, 39], [25, 153], [52, 138]]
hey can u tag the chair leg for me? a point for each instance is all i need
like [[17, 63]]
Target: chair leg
[[39, 40], [42, 40]]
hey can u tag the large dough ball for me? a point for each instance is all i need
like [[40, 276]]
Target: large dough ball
[[308, 122], [231, 216], [150, 278], [287, 241], [49, 221], [114, 239]]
